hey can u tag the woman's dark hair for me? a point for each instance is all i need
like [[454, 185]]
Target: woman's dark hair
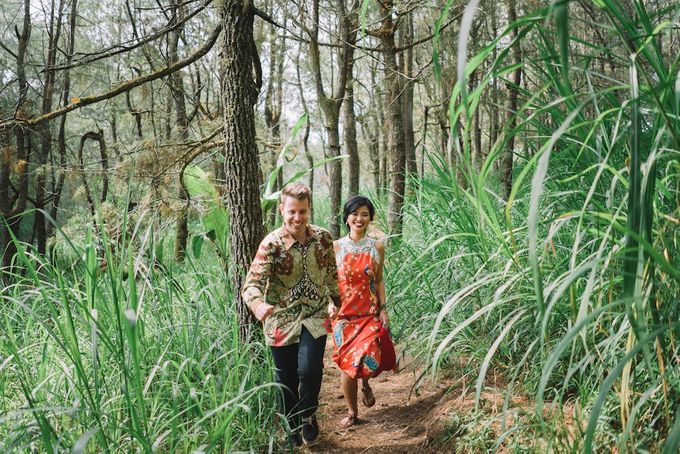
[[353, 204]]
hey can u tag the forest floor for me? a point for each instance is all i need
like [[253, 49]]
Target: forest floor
[[404, 420]]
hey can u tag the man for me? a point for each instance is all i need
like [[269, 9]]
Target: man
[[291, 284]]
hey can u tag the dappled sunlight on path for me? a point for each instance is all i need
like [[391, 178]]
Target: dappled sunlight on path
[[395, 424]]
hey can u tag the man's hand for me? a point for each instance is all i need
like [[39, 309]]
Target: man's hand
[[332, 311], [384, 318], [263, 310]]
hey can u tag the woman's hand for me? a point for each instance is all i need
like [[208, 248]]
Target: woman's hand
[[384, 318], [332, 311]]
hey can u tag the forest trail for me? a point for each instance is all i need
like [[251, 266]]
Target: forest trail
[[402, 421]]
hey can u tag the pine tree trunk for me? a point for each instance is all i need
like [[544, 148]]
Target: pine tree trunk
[[241, 167]]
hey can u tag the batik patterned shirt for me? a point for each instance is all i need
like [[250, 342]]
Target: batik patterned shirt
[[299, 280]]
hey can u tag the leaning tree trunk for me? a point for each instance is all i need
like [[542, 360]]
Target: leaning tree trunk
[[239, 94]]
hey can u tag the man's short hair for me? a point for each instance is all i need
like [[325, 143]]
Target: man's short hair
[[299, 191]]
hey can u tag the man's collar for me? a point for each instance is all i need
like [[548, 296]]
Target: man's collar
[[288, 239]]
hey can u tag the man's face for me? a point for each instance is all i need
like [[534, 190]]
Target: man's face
[[295, 215]]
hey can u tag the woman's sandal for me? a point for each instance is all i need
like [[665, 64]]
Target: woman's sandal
[[368, 399], [348, 421]]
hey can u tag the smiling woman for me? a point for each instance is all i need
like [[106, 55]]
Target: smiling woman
[[363, 313]]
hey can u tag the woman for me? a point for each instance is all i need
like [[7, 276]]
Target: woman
[[362, 292]]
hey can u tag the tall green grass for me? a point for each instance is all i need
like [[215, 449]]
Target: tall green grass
[[134, 356], [571, 285]]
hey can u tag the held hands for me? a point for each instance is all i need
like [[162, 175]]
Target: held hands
[[384, 318], [332, 311], [262, 311]]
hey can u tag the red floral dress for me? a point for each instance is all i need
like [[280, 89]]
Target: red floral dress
[[356, 329]]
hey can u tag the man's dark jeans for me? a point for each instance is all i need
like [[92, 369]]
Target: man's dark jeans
[[299, 367]]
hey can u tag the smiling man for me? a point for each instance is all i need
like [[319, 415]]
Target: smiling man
[[292, 287]]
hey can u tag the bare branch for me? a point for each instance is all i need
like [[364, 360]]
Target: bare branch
[[122, 88], [267, 18], [8, 50], [120, 48]]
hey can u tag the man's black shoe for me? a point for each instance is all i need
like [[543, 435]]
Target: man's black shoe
[[296, 439], [310, 430]]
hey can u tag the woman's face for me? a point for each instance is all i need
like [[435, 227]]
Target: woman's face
[[359, 219]]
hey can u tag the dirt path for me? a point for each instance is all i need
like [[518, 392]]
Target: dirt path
[[396, 424]]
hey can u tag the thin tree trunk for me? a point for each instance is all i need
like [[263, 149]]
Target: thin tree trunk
[[371, 135], [168, 114], [274, 106], [494, 89], [61, 137], [350, 132], [423, 144], [373, 132], [475, 142], [239, 94], [407, 97], [136, 114], [45, 129], [383, 145], [305, 139], [330, 105], [394, 120], [506, 170], [14, 206], [178, 95]]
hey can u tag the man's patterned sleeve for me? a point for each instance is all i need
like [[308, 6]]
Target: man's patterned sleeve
[[258, 275], [332, 270]]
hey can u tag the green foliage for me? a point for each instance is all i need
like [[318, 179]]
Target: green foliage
[[138, 355], [214, 217], [570, 285], [270, 197]]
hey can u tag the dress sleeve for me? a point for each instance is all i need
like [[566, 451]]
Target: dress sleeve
[[258, 275]]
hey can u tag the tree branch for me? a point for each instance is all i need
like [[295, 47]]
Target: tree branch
[[427, 38], [266, 17], [120, 48], [122, 88], [8, 50]]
